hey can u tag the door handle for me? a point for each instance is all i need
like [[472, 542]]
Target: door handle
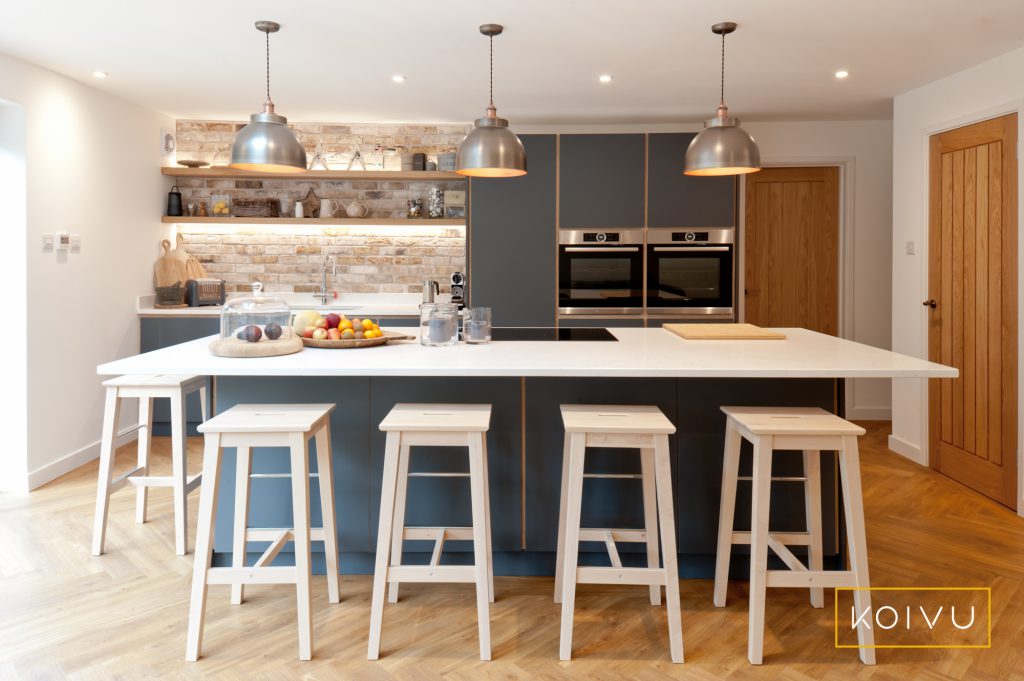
[[930, 303]]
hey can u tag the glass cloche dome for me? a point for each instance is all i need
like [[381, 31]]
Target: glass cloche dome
[[255, 325]]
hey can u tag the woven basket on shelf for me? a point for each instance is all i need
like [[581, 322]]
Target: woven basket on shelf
[[256, 208]]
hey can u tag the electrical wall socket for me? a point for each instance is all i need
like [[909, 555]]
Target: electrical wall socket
[[62, 241], [47, 243], [76, 243]]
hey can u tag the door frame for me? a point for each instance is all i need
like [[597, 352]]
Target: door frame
[[847, 232], [1013, 106]]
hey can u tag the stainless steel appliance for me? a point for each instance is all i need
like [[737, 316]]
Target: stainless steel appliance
[[459, 287], [548, 333], [690, 272], [600, 273]]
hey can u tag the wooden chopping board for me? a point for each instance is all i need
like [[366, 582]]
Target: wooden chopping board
[[723, 332], [193, 268], [168, 269]]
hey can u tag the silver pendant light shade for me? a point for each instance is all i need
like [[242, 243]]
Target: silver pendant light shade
[[491, 149], [267, 144], [722, 147]]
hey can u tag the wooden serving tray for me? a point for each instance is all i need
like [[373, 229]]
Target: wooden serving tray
[[723, 332], [356, 342], [234, 347]]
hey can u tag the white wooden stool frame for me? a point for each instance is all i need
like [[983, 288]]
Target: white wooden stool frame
[[147, 388], [820, 434], [296, 438], [392, 529], [657, 494]]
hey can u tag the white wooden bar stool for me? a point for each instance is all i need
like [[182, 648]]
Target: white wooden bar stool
[[147, 388], [810, 430], [639, 427], [266, 425], [433, 425]]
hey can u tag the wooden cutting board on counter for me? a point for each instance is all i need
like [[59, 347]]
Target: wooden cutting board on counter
[[723, 332]]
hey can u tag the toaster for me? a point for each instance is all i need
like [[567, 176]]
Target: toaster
[[205, 292]]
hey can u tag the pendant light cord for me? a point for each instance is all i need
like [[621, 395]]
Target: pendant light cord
[[268, 66], [492, 69], [721, 98]]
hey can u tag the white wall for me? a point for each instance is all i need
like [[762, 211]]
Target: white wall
[[92, 169], [990, 89], [13, 283], [864, 150]]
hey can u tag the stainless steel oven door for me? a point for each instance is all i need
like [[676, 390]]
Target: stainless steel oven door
[[600, 272], [690, 273]]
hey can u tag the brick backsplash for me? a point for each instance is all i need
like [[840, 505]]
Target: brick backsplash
[[372, 259]]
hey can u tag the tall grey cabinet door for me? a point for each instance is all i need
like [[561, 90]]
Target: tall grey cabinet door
[[678, 200], [601, 181], [512, 240]]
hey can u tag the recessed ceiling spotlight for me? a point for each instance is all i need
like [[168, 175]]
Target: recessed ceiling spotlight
[[100, 74], [398, 78], [841, 74], [605, 78]]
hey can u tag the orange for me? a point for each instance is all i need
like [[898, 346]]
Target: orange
[[367, 324]]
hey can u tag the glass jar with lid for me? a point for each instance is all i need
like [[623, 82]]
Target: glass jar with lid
[[257, 325]]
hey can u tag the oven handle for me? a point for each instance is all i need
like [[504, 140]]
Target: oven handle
[[601, 249], [699, 249]]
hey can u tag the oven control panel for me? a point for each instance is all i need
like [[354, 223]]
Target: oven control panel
[[601, 237], [689, 236]]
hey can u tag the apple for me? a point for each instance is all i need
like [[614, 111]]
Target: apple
[[332, 320], [320, 333], [320, 323], [308, 332], [334, 334]]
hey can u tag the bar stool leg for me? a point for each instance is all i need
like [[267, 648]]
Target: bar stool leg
[[487, 513], [647, 468], [849, 463], [663, 468], [760, 505], [398, 526], [204, 414], [243, 467], [380, 571], [726, 511], [179, 473], [204, 547], [325, 471], [111, 416], [563, 499], [145, 440], [300, 533], [812, 506], [481, 558], [571, 545]]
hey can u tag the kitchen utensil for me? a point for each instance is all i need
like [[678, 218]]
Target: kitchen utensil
[[356, 210], [179, 252], [439, 324], [234, 347], [356, 342], [192, 163], [430, 289], [174, 202], [476, 325], [170, 296], [168, 270], [723, 332], [328, 207]]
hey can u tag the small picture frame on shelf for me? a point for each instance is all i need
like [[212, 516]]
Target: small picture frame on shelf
[[455, 212]]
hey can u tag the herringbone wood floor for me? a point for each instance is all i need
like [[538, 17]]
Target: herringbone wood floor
[[65, 614]]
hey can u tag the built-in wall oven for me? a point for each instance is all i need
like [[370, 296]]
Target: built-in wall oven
[[690, 272], [600, 273]]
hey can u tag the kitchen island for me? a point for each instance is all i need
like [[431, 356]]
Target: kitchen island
[[525, 381]]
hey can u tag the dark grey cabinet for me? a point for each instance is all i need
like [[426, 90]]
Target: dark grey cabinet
[[512, 240], [601, 181], [162, 332], [678, 200]]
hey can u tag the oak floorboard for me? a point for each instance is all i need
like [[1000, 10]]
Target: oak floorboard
[[68, 615]]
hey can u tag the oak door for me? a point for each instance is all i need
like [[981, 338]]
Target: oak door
[[791, 248], [972, 306]]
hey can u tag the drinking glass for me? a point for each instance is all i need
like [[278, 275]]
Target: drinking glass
[[477, 325], [439, 324]]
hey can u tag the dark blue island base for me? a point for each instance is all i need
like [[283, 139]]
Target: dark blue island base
[[525, 460]]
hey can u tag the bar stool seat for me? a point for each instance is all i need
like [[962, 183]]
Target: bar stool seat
[[415, 425], [646, 429], [810, 430], [175, 388], [266, 425]]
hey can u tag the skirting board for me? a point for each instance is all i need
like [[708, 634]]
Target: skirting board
[[907, 450], [70, 462], [868, 413]]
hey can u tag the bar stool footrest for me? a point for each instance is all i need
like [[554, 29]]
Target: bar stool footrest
[[790, 538], [804, 579], [252, 575], [431, 573], [620, 575]]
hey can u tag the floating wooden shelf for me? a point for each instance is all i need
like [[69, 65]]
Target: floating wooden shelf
[[437, 222], [231, 173]]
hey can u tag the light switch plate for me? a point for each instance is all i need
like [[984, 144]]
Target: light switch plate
[[62, 241], [47, 243], [76, 243], [911, 249]]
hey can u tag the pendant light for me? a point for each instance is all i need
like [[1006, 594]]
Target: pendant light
[[267, 144], [722, 147], [491, 149]]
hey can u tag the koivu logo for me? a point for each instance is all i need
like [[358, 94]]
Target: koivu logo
[[888, 617]]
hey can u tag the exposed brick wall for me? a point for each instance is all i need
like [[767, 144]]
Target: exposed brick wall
[[386, 259]]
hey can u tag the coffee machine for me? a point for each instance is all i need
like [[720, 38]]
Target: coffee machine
[[460, 289]]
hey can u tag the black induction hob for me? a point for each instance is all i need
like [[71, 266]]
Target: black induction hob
[[546, 333]]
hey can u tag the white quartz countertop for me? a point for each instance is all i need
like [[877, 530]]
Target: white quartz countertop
[[351, 304], [639, 353]]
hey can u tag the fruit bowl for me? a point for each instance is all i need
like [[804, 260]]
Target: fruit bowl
[[342, 344]]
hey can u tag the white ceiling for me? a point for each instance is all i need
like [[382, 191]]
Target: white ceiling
[[333, 60]]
